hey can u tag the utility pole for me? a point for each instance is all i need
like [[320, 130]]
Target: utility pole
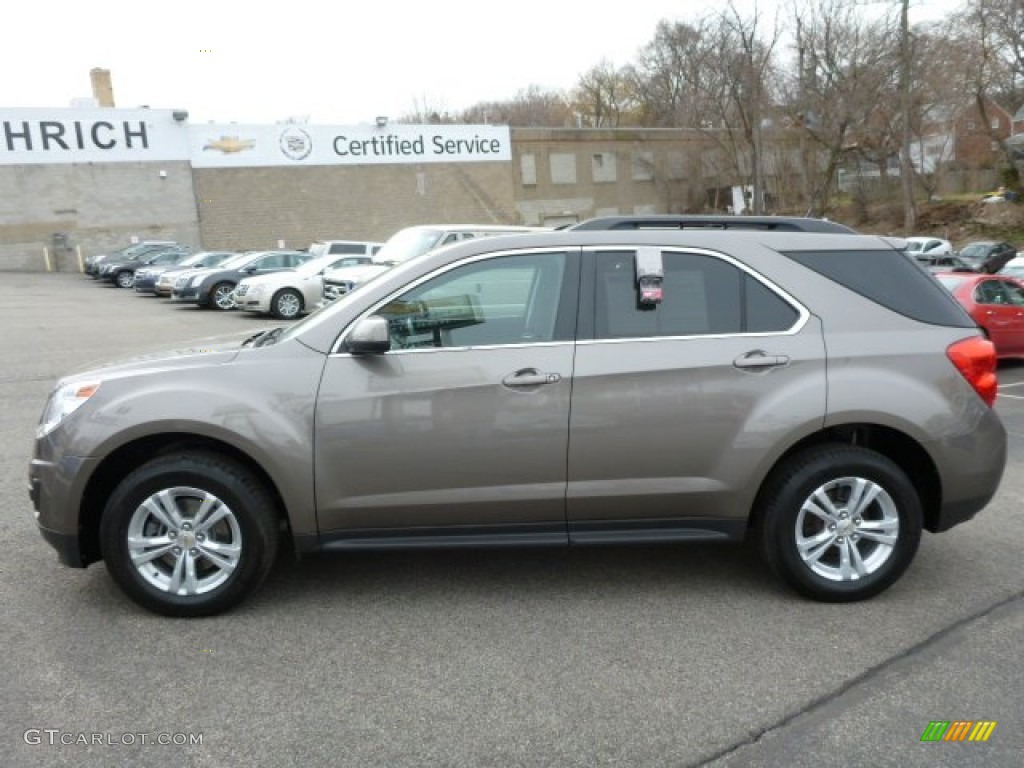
[[906, 163]]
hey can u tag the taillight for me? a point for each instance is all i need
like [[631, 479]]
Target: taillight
[[975, 358]]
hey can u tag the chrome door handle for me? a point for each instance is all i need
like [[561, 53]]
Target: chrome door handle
[[759, 360], [530, 377]]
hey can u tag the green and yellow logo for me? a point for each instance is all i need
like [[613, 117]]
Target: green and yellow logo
[[958, 730]]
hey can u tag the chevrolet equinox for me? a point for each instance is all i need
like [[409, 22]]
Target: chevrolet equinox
[[818, 392]]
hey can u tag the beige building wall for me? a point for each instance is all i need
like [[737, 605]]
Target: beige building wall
[[556, 176], [251, 208], [566, 175]]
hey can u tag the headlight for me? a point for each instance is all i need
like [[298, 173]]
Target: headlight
[[256, 291], [195, 281], [64, 401]]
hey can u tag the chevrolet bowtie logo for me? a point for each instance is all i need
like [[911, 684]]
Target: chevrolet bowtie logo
[[229, 145]]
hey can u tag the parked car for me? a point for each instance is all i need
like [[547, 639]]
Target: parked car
[[550, 389], [92, 263], [987, 256], [996, 304], [214, 287], [944, 263], [928, 246], [149, 279], [291, 292], [343, 248], [1014, 268], [122, 272], [406, 244]]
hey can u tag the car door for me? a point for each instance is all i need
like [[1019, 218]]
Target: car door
[[1001, 305], [676, 408], [460, 431]]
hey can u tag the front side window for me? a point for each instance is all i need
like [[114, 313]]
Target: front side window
[[702, 295], [271, 261], [503, 300]]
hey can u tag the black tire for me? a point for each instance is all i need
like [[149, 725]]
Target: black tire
[[124, 279], [835, 472], [160, 582], [286, 304], [220, 296]]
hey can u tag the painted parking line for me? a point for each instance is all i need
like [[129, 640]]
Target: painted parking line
[[1011, 397], [1015, 384]]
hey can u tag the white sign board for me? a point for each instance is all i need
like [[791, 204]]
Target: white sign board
[[44, 136], [245, 146]]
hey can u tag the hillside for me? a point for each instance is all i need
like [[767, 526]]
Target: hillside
[[958, 221]]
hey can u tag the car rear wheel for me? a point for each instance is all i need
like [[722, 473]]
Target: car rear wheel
[[839, 523], [286, 304], [222, 296], [125, 279], [189, 534]]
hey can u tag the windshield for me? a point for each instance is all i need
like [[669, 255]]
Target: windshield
[[236, 262], [407, 244], [975, 250], [315, 265], [915, 245], [206, 258]]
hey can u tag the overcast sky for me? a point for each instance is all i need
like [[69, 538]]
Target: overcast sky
[[340, 63]]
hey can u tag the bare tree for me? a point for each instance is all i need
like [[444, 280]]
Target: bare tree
[[533, 106], [991, 33], [603, 96], [842, 74]]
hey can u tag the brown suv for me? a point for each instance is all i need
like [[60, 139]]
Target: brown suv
[[817, 391]]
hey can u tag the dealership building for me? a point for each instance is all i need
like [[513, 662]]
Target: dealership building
[[79, 181]]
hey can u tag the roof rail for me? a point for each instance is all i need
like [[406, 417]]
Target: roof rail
[[710, 221]]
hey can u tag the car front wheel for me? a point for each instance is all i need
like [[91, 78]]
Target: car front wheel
[[125, 279], [189, 534], [839, 523], [223, 296], [286, 304]]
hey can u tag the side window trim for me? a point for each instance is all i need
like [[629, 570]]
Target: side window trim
[[565, 321], [587, 326]]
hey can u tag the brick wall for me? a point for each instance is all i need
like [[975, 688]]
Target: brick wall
[[243, 208], [99, 207]]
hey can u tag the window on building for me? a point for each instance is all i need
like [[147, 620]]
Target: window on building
[[528, 169], [602, 167], [643, 166], [563, 167]]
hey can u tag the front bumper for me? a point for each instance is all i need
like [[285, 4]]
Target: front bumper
[[186, 294], [56, 490]]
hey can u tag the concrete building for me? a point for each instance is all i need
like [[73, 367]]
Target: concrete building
[[86, 181]]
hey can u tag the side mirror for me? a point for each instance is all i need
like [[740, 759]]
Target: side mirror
[[369, 337]]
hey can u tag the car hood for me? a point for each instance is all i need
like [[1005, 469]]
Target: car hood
[[203, 353], [271, 278], [356, 274]]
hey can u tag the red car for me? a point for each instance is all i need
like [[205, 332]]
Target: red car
[[996, 303]]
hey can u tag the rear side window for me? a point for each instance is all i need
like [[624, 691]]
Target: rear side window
[[888, 278], [703, 295]]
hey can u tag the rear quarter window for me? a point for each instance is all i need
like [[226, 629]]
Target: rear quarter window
[[888, 278]]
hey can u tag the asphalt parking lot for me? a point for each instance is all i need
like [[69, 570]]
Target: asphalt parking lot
[[656, 656]]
